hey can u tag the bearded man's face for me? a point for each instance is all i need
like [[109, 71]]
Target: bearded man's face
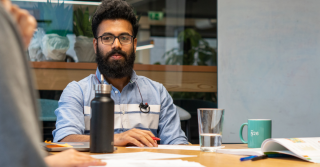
[[115, 67], [115, 60]]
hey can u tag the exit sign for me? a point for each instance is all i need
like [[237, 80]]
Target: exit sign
[[155, 15]]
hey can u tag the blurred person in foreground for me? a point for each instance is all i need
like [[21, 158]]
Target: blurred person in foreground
[[19, 127]]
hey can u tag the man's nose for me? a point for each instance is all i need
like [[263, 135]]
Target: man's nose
[[116, 44]]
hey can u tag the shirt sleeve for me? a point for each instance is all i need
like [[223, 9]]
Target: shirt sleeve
[[169, 128], [70, 117]]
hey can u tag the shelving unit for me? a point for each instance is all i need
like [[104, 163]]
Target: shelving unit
[[56, 75]]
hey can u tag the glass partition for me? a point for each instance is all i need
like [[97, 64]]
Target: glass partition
[[177, 46]]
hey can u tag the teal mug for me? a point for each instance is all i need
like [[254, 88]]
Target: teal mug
[[258, 131]]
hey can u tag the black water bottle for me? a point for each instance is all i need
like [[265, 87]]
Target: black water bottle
[[102, 120]]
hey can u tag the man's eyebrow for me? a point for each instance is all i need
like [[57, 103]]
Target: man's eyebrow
[[125, 33], [107, 33]]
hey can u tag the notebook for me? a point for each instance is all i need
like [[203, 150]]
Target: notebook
[[307, 149], [61, 146]]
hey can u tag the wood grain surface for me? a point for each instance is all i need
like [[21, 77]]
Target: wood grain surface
[[175, 81], [224, 160], [137, 67]]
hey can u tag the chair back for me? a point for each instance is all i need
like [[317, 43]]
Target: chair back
[[183, 114], [48, 107], [192, 105]]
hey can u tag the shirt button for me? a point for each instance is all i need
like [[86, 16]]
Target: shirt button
[[116, 91]]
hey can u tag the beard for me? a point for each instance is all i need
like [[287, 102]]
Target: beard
[[115, 68]]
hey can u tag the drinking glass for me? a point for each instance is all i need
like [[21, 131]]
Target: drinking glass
[[210, 121]]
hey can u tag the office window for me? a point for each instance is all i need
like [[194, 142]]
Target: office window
[[177, 46]]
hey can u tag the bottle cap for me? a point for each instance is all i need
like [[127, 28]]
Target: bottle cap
[[102, 88]]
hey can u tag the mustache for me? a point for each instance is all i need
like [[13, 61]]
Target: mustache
[[114, 51]]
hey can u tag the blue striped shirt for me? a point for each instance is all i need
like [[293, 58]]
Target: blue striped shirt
[[73, 114]]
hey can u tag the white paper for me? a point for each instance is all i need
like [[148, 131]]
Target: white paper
[[250, 151], [172, 147], [139, 156], [304, 148], [151, 163]]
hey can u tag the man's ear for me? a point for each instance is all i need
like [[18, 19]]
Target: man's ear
[[95, 45], [135, 41]]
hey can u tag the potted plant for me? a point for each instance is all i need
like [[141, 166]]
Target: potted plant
[[54, 43], [84, 37], [193, 50]]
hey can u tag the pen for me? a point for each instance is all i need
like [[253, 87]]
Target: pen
[[247, 158], [259, 157], [155, 138]]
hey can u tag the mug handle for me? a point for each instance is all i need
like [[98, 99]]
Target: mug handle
[[240, 133]]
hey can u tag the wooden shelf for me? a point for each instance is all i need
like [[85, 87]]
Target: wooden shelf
[[56, 75], [137, 67]]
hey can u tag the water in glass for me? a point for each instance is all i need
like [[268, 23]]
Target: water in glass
[[209, 142]]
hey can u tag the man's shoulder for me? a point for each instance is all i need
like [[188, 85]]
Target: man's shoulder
[[150, 82], [83, 83], [81, 90], [88, 79]]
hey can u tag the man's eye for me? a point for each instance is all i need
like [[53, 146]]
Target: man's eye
[[106, 38], [125, 38]]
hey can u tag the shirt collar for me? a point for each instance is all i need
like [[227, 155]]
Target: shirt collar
[[134, 77]]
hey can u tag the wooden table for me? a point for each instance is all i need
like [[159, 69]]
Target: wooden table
[[225, 160]]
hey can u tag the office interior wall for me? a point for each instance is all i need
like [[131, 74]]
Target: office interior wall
[[269, 65]]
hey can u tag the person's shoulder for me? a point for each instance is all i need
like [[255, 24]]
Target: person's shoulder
[[88, 79], [83, 83], [150, 82], [153, 85]]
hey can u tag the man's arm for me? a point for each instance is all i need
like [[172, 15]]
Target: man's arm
[[70, 123], [136, 137], [70, 116], [169, 128], [76, 138]]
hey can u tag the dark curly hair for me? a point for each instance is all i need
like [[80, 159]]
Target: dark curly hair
[[114, 9]]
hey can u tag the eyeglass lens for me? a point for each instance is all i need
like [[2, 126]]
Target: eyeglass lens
[[109, 39]]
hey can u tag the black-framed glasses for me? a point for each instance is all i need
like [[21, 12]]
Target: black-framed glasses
[[108, 39]]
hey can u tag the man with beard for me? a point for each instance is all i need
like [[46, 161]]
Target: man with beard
[[115, 27]]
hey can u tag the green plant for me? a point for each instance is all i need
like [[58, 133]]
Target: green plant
[[82, 22], [191, 43], [138, 16], [59, 16]]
